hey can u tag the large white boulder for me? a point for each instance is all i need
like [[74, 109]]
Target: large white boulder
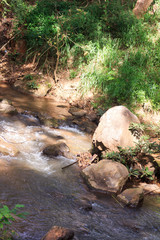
[[113, 129]]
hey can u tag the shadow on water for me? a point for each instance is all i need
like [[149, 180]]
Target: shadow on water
[[28, 102]]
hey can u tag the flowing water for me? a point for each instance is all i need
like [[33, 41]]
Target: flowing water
[[56, 196]]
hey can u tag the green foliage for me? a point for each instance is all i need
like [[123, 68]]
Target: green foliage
[[32, 85], [6, 7], [119, 53], [13, 55], [145, 173], [137, 129], [73, 74], [28, 77], [7, 217], [133, 155]]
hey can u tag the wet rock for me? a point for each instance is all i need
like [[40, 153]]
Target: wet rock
[[59, 233], [86, 204], [132, 197], [85, 126], [77, 112], [6, 107], [7, 148], [59, 149], [106, 175], [150, 188], [92, 117], [50, 122], [113, 129]]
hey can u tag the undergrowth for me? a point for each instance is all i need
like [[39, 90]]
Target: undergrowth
[[134, 158], [7, 217], [117, 53]]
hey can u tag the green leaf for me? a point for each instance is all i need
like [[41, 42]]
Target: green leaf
[[19, 206], [1, 225]]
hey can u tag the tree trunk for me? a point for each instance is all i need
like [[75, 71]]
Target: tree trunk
[[141, 7]]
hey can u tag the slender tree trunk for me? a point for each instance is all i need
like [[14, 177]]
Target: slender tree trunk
[[141, 7]]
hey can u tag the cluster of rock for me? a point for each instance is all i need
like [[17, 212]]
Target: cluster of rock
[[107, 175], [86, 121]]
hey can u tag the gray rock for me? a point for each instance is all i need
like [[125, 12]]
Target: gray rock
[[113, 129], [132, 197], [106, 175]]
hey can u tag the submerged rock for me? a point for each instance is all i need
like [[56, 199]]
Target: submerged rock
[[85, 204], [106, 175], [113, 129], [59, 149], [85, 125], [59, 233], [132, 197]]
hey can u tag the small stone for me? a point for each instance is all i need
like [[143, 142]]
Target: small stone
[[77, 112], [59, 233], [86, 204], [132, 197]]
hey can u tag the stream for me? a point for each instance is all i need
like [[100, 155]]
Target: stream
[[55, 196]]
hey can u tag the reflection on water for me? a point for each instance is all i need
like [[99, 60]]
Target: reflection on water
[[53, 196]]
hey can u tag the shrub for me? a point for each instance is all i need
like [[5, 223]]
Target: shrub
[[133, 155], [7, 217]]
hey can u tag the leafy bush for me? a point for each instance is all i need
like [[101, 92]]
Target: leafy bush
[[32, 85], [28, 77], [7, 217], [133, 155]]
